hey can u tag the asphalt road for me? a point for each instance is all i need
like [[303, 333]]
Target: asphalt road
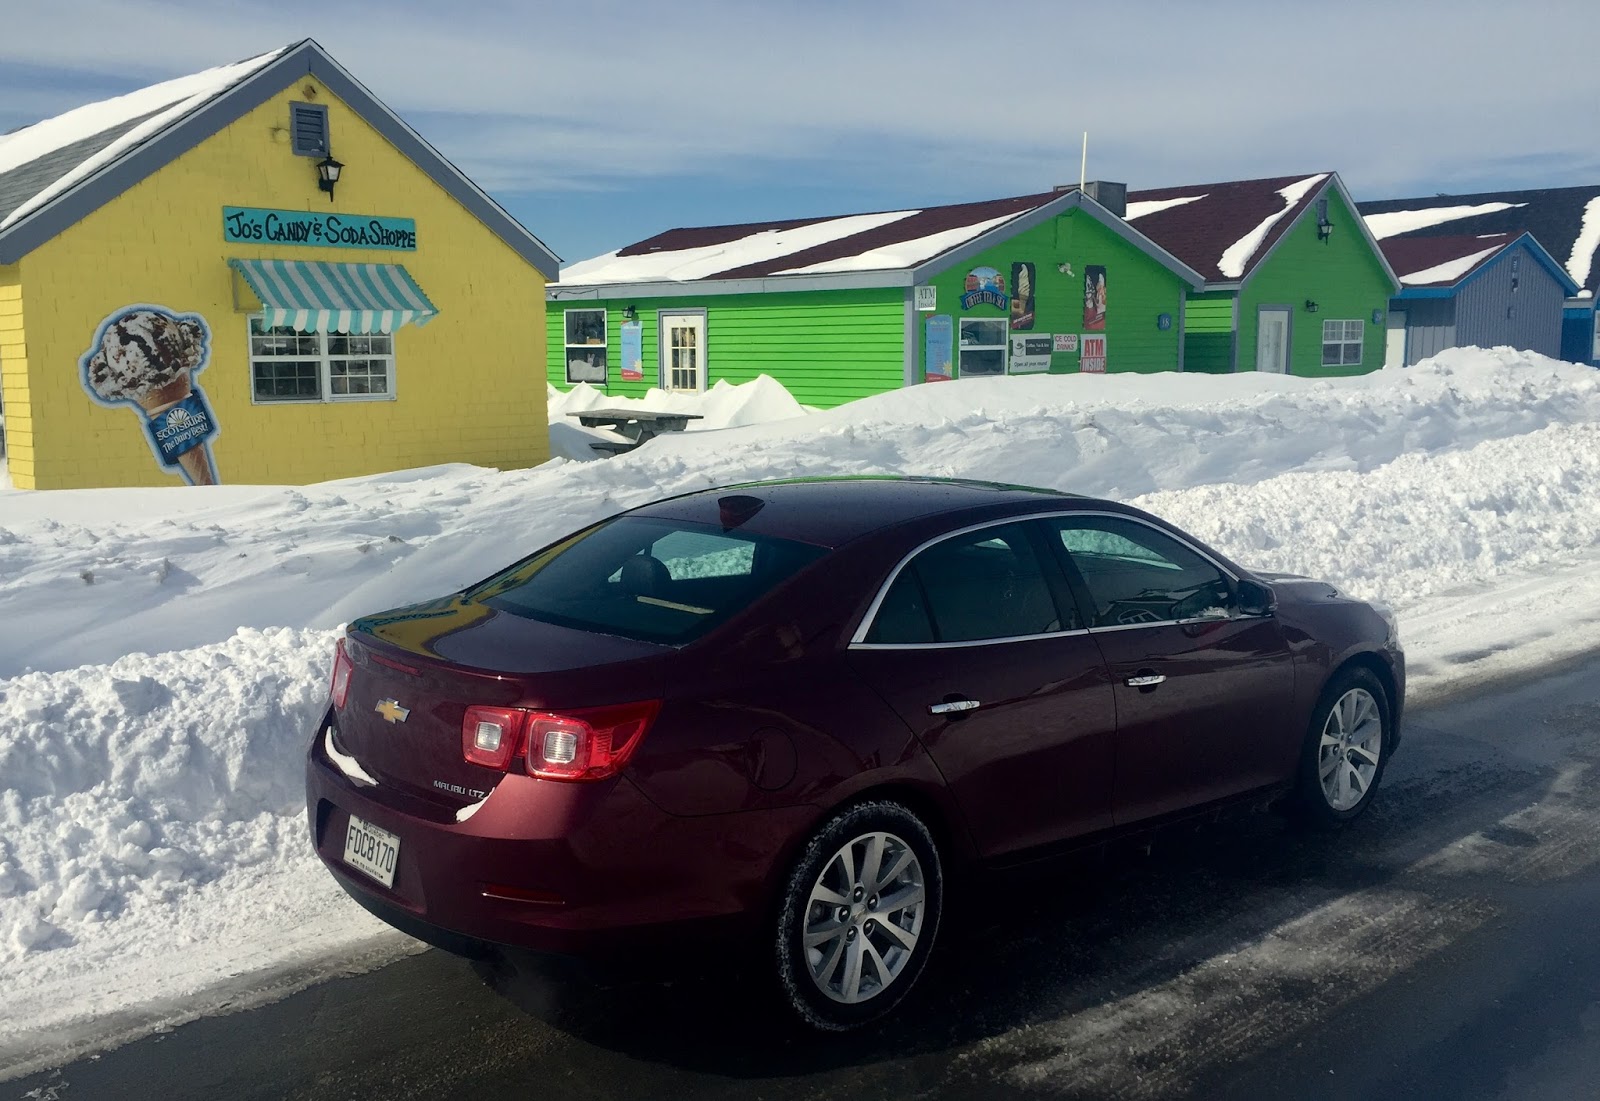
[[1447, 946]]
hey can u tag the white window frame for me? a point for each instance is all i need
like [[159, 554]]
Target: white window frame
[[604, 345], [1004, 347], [324, 368], [1345, 341]]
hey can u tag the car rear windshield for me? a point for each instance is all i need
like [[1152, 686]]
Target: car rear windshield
[[656, 580]]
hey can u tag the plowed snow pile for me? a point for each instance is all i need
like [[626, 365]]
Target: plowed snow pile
[[153, 857]]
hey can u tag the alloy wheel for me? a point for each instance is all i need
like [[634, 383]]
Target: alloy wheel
[[864, 917], [1350, 749]]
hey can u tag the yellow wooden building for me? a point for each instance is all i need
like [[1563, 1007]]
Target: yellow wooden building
[[258, 273]]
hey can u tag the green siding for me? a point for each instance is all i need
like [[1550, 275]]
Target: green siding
[[1343, 275], [1208, 333], [826, 347], [1138, 291]]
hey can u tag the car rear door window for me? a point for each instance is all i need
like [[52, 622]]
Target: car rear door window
[[645, 578], [1135, 574], [988, 584]]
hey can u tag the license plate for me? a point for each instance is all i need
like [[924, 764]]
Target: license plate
[[371, 850]]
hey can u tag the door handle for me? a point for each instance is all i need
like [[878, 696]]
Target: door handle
[[953, 706], [1148, 680]]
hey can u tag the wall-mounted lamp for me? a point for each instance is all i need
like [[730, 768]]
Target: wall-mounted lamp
[[1312, 307], [1064, 269], [328, 171], [630, 314], [1324, 229]]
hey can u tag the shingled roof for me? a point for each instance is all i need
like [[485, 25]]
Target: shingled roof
[[1223, 230], [883, 248], [55, 172], [1564, 220]]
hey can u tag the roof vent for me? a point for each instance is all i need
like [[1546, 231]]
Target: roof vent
[[1112, 196]]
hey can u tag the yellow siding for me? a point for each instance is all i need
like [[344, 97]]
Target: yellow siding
[[14, 379], [470, 385]]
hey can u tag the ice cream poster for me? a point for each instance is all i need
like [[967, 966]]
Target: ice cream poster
[[1022, 284], [146, 357], [1094, 297]]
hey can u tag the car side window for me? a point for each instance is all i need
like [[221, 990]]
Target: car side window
[[1136, 574], [987, 584]]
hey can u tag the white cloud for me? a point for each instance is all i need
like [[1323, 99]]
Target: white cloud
[[551, 96]]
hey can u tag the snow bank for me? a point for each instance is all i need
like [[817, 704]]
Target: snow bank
[[153, 843], [725, 405]]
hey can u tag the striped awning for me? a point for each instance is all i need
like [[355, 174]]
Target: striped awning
[[315, 296]]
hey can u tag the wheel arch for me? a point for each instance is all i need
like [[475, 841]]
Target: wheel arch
[[1373, 663]]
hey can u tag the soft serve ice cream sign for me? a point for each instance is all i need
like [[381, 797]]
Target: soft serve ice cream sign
[[146, 357]]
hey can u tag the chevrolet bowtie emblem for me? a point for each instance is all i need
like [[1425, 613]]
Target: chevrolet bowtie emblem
[[392, 711]]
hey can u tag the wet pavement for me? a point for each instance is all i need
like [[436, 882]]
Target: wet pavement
[[1447, 945]]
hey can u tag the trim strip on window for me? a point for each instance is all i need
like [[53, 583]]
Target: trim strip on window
[[857, 639]]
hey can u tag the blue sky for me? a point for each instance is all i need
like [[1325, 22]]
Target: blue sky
[[601, 123]]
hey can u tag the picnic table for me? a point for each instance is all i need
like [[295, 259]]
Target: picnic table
[[637, 425]]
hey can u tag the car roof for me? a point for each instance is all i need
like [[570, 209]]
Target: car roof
[[833, 511]]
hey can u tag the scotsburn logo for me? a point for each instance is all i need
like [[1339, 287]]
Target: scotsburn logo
[[179, 418], [392, 711]]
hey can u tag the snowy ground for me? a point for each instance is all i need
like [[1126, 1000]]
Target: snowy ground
[[153, 863]]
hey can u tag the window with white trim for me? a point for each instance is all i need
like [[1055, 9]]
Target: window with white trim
[[586, 346], [983, 347], [1341, 343], [289, 365]]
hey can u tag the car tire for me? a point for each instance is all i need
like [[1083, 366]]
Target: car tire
[[1346, 750], [858, 916]]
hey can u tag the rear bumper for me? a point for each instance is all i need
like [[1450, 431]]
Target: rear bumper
[[616, 872]]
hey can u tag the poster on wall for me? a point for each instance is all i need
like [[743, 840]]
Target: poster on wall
[[1094, 297], [145, 357], [1093, 359], [1022, 284], [632, 333], [938, 348], [1030, 355], [1066, 342], [985, 287]]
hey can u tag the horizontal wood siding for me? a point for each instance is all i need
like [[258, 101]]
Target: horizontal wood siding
[[1208, 333], [1138, 292], [826, 347], [1343, 275]]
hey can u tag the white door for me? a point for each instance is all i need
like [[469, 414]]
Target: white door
[[683, 351], [1272, 339], [1394, 340]]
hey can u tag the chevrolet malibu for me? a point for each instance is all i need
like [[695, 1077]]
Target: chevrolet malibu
[[786, 712]]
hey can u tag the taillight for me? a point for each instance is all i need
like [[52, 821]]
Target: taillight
[[588, 744], [491, 736], [340, 688]]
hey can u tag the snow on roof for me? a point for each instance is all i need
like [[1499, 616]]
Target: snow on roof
[[1580, 265], [1222, 230], [1155, 206], [1406, 221], [1441, 261], [1448, 272], [1239, 253], [699, 262], [904, 254], [1564, 220], [892, 240], [139, 115]]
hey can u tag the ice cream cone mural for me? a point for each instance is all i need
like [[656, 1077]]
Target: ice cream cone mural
[[147, 357]]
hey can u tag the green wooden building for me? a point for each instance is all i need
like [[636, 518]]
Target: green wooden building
[[1254, 275], [1294, 280], [841, 308]]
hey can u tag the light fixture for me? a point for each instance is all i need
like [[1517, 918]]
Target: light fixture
[[1324, 229], [1312, 307], [629, 313], [328, 171]]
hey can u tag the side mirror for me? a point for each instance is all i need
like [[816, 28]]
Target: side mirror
[[1255, 599]]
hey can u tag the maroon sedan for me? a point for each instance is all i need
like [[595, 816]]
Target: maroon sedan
[[784, 712]]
